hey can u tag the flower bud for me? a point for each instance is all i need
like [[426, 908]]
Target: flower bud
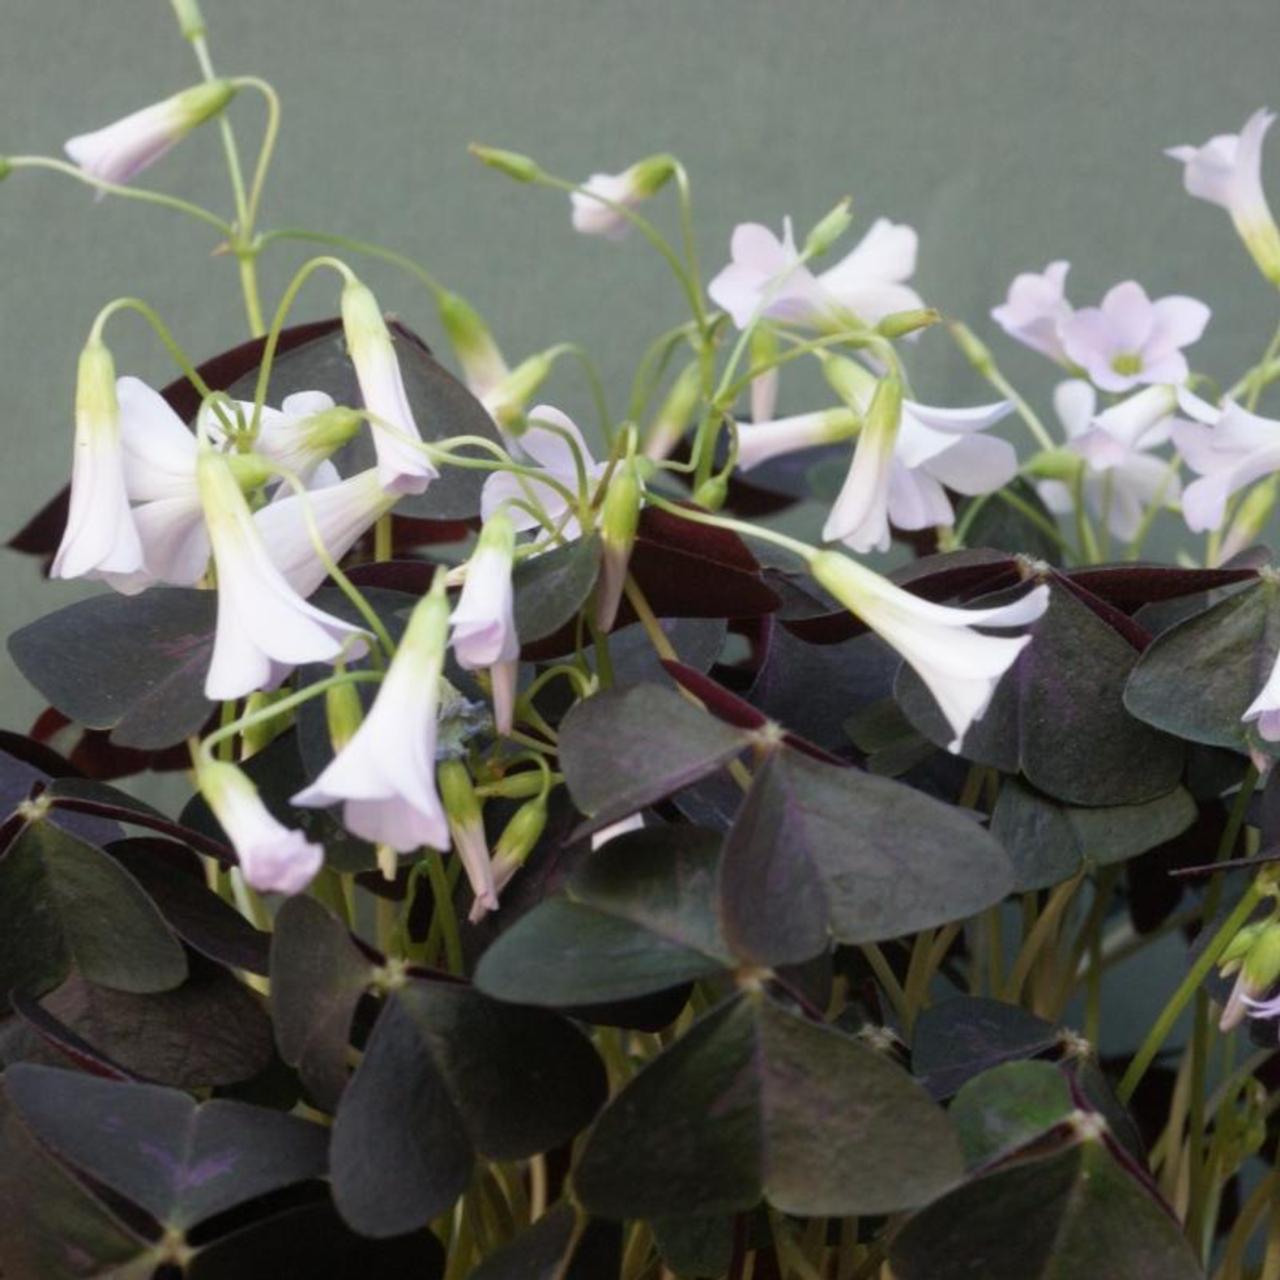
[[619, 518], [190, 19], [1054, 464], [900, 323], [466, 826], [1255, 951], [343, 714], [508, 398], [828, 229], [516, 786], [483, 367], [674, 414], [512, 163], [650, 175], [265, 732]]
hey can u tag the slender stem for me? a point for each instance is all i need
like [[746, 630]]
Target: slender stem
[[201, 47], [365, 247], [270, 133], [887, 978], [1040, 934], [445, 912], [794, 545]]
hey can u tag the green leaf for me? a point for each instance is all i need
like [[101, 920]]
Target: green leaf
[[1059, 714], [624, 749], [211, 1031], [1009, 1106], [448, 1074], [551, 588], [757, 1101], [318, 975], [1071, 1215], [64, 903], [1198, 678], [695, 1246], [180, 1161], [820, 852], [1050, 842], [132, 664], [640, 917]]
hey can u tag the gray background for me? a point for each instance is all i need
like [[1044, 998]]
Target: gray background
[[1009, 132]]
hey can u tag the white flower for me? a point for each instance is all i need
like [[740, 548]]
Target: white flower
[[1122, 475], [100, 538], [593, 217], [1228, 449], [120, 150], [765, 278], [272, 857], [386, 773], [1130, 340], [1034, 309], [264, 626], [907, 456], [402, 466], [342, 513], [543, 443], [483, 620], [483, 365], [960, 666], [760, 441], [1227, 171]]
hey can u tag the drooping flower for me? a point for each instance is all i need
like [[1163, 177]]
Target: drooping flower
[[1122, 476], [593, 217], [1253, 955], [545, 443], [100, 538], [466, 826], [766, 278], [960, 666], [402, 465], [1229, 448], [483, 365], [342, 513], [118, 151], [758, 442], [907, 456], [517, 841], [1130, 339], [1227, 171], [386, 774], [1035, 308], [483, 621], [273, 858], [264, 626], [619, 520]]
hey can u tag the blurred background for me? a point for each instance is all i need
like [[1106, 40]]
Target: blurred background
[[1008, 133]]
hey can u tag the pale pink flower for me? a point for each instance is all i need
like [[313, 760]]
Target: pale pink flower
[[1035, 308]]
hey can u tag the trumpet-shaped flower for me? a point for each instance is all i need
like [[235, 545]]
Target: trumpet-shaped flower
[[1227, 171], [1130, 340], [593, 217], [959, 665], [402, 465], [264, 626], [273, 857], [120, 150], [386, 774], [483, 365], [766, 277], [1229, 449], [1122, 477], [758, 442], [100, 539], [484, 628], [1035, 308], [549, 444], [340, 515], [907, 456]]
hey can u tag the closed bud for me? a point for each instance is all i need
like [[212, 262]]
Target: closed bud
[[1262, 964], [674, 414], [650, 175], [466, 826], [483, 367], [900, 323], [512, 163], [619, 518], [520, 836], [343, 714], [711, 493], [516, 786], [1054, 464], [828, 229], [327, 431], [508, 398], [190, 19]]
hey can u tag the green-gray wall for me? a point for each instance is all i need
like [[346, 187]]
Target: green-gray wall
[[1008, 131]]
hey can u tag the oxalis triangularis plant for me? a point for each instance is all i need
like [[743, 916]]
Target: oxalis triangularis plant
[[583, 878]]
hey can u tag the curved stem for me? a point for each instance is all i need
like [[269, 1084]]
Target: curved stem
[[201, 47], [403, 261], [130, 193], [794, 545], [270, 133]]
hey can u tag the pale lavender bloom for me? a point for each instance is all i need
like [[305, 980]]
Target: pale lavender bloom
[[552, 453], [386, 773], [121, 150], [1130, 339], [1268, 1008], [765, 278], [1035, 308], [272, 857], [1227, 171], [1121, 474]]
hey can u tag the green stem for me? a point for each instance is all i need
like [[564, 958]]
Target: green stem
[[445, 912], [365, 247]]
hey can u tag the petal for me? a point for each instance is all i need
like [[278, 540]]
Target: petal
[[1179, 321], [1129, 315], [159, 449], [1074, 402], [544, 442], [975, 464]]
